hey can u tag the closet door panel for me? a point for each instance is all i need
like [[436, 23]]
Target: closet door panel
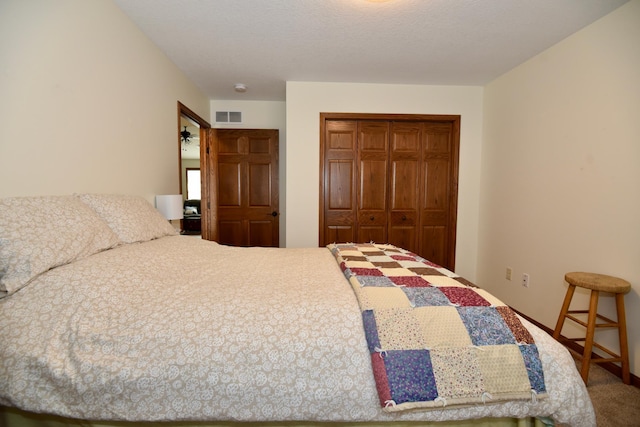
[[434, 244], [405, 174], [373, 161], [435, 197], [339, 181], [404, 237], [371, 233], [404, 178], [373, 185], [339, 234], [340, 185]]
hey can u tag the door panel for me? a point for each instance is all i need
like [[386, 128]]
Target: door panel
[[229, 189], [338, 168], [248, 187], [230, 231], [260, 233], [434, 246], [373, 161], [405, 158], [259, 185], [435, 209], [340, 185]]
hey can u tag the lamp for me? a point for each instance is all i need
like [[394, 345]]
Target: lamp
[[170, 206]]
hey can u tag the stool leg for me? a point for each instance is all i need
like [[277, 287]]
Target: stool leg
[[591, 329], [622, 332], [563, 312]]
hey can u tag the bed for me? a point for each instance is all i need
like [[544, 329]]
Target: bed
[[110, 317]]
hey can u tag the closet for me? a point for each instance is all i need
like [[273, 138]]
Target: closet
[[390, 179]]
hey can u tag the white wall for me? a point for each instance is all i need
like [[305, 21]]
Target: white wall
[[88, 103], [261, 115], [305, 102], [560, 178]]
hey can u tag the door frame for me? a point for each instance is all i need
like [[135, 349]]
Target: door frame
[[451, 118], [207, 195]]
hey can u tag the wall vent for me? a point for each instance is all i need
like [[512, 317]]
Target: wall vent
[[228, 117]]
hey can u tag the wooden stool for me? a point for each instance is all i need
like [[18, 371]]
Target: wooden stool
[[597, 283]]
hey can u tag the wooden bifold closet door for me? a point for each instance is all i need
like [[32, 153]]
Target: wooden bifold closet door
[[390, 179]]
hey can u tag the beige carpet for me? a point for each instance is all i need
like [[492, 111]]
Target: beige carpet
[[615, 404]]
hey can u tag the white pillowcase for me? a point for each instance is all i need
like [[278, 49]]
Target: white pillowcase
[[40, 233], [132, 218]]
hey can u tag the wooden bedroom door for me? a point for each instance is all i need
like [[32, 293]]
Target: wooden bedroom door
[[248, 199], [390, 179]]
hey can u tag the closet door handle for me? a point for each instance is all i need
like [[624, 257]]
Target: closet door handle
[[274, 214]]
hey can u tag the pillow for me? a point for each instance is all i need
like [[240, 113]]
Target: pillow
[[132, 218], [40, 233]]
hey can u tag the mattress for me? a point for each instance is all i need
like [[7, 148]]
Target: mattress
[[175, 328]]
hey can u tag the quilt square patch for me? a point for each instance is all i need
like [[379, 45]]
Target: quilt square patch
[[522, 336], [370, 330], [534, 367], [503, 369], [456, 372], [443, 281], [467, 282], [442, 327], [463, 296], [403, 257], [383, 297], [398, 329], [410, 376], [486, 326], [425, 271], [359, 264], [412, 263], [495, 302], [365, 271], [410, 281], [394, 272], [379, 281], [376, 257], [354, 258], [388, 264], [372, 252], [425, 296]]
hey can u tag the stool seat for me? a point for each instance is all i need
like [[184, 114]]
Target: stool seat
[[598, 282]]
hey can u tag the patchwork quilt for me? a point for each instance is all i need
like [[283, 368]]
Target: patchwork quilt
[[435, 339]]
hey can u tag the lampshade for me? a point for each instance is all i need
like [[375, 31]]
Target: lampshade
[[170, 206]]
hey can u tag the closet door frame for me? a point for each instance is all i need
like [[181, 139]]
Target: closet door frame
[[454, 120]]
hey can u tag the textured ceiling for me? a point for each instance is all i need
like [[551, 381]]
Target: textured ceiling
[[264, 43]]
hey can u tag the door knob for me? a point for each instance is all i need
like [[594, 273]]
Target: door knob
[[404, 217], [371, 218], [274, 213]]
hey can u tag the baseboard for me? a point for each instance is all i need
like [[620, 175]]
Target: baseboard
[[572, 345]]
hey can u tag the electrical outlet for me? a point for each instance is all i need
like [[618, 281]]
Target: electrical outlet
[[508, 273], [525, 280]]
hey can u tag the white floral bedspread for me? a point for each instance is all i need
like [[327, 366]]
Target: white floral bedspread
[[184, 329]]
